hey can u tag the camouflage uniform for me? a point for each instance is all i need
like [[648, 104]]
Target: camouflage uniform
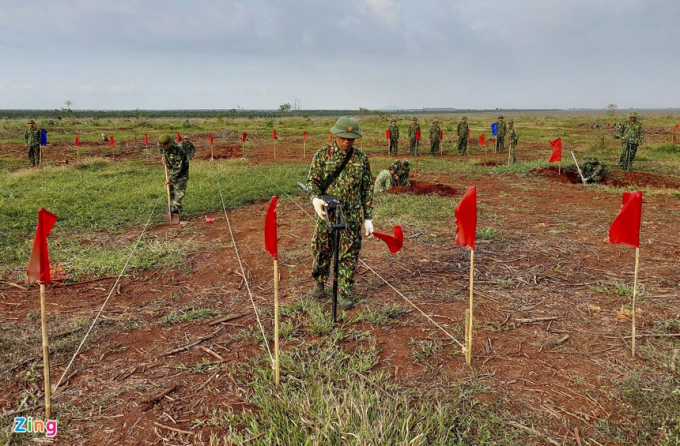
[[400, 172], [462, 132], [500, 135], [394, 139], [593, 170], [435, 133], [177, 158], [354, 189], [631, 132], [512, 134], [383, 182], [32, 137], [413, 130]]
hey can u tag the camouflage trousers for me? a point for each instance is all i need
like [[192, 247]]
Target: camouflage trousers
[[383, 181], [624, 154], [394, 146], [462, 145], [500, 144], [178, 189], [413, 148], [34, 155], [434, 147], [322, 250], [512, 148]]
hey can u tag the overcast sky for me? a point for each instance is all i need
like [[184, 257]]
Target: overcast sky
[[259, 54]]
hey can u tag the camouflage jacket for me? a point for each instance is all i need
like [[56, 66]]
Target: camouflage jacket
[[632, 132], [177, 159], [353, 186], [412, 129], [462, 129], [32, 137], [394, 132], [435, 133], [502, 129], [397, 168], [513, 135]]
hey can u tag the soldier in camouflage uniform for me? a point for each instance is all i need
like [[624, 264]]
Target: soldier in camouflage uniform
[[512, 134], [394, 137], [462, 132], [413, 130], [32, 137], [593, 170], [353, 187], [500, 135], [383, 181], [399, 170], [176, 156], [435, 135], [631, 133]]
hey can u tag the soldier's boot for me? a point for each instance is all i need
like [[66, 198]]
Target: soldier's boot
[[319, 291], [344, 302]]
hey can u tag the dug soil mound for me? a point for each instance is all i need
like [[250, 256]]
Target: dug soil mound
[[424, 188], [565, 176], [223, 152]]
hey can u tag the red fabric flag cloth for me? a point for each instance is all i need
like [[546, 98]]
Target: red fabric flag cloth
[[111, 140], [77, 141], [304, 136], [609, 125], [556, 154], [209, 219], [211, 139], [38, 270], [469, 133], [677, 127], [466, 219], [146, 139], [441, 134], [417, 135], [330, 137], [393, 243], [270, 228], [273, 134], [244, 135], [626, 226], [178, 138], [387, 134], [482, 140]]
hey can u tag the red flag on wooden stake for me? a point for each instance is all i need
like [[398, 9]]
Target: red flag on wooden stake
[[304, 136], [330, 137], [626, 226], [146, 139], [387, 134], [556, 155], [677, 127], [482, 140], [211, 139], [270, 228], [77, 141], [111, 140], [178, 138], [274, 134], [38, 270], [244, 135], [417, 135], [469, 133], [466, 219], [393, 243]]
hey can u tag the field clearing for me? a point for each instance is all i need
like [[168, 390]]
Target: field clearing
[[177, 356]]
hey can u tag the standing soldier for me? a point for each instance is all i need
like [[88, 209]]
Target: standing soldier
[[512, 134], [631, 138], [176, 156], [500, 135], [32, 137], [435, 134], [394, 137], [342, 171], [413, 131], [462, 132]]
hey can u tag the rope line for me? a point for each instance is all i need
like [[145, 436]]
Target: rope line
[[364, 263], [134, 248]]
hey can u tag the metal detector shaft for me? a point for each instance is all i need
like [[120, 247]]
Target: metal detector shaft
[[583, 180], [629, 144]]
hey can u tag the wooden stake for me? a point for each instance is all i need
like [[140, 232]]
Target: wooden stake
[[559, 169], [212, 153], [466, 349], [276, 321], [304, 149], [46, 353], [472, 285], [637, 267]]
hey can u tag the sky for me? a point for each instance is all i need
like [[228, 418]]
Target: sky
[[342, 54]]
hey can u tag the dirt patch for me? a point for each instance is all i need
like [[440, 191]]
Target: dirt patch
[[490, 163], [617, 178], [553, 172], [424, 188], [223, 152]]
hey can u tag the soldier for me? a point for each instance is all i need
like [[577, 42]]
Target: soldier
[[383, 181], [394, 137], [399, 170], [500, 135], [633, 136], [512, 134], [435, 134], [593, 170], [176, 157], [32, 137], [343, 171], [413, 131], [462, 132]]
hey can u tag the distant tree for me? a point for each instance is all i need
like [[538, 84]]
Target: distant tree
[[283, 108], [363, 111], [611, 109]]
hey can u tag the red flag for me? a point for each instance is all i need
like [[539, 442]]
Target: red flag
[[111, 140], [441, 134], [482, 140], [304, 136], [77, 141], [556, 155], [330, 137], [270, 228], [469, 133], [178, 138], [677, 127], [210, 137], [146, 139], [393, 243], [273, 135], [626, 226], [609, 125], [466, 219], [38, 270], [244, 135], [209, 219], [417, 135], [387, 134]]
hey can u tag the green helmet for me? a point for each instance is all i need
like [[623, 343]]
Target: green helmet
[[406, 162], [165, 141], [464, 118], [346, 127], [500, 116], [633, 114], [511, 121], [415, 119]]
